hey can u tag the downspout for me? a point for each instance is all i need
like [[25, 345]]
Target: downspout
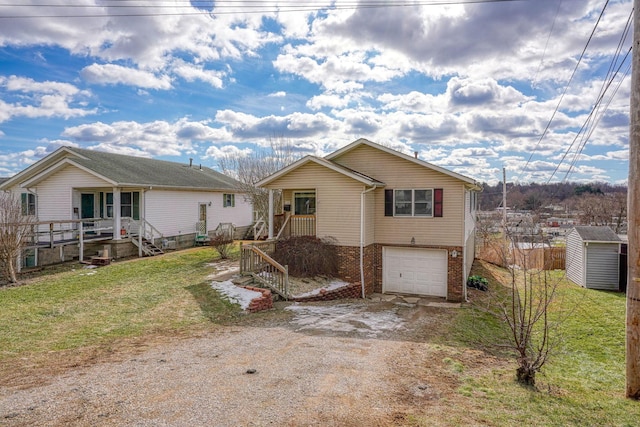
[[362, 236]]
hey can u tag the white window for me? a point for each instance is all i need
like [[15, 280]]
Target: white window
[[228, 200], [416, 202], [28, 202], [129, 205]]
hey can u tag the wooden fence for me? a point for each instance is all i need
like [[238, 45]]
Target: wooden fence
[[536, 258]]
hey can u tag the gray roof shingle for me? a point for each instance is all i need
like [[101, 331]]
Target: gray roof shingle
[[140, 171], [597, 234]]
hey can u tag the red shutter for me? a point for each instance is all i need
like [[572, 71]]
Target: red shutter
[[437, 202]]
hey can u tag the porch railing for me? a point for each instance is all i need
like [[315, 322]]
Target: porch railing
[[302, 225], [256, 262], [54, 233], [139, 228]]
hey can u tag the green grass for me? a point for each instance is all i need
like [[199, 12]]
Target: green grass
[[583, 383], [96, 307], [80, 312]]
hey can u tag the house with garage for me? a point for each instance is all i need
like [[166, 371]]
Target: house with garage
[[593, 257], [86, 201], [402, 225]]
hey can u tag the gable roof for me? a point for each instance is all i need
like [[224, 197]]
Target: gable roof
[[325, 163], [362, 141], [597, 234], [121, 170]]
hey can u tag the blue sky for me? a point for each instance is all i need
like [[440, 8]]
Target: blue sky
[[471, 87]]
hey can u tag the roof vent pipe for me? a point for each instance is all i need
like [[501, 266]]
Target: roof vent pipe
[[190, 161], [415, 154]]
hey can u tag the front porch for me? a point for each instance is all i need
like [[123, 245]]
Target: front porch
[[296, 213], [287, 225], [50, 242]]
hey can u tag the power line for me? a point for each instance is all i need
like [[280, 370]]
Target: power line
[[597, 112], [250, 7], [564, 92]]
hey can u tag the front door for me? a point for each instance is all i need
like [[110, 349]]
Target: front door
[[87, 206]]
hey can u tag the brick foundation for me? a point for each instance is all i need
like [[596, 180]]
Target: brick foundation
[[352, 290], [265, 302], [349, 268]]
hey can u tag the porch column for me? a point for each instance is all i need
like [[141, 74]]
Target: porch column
[[117, 223], [270, 214]]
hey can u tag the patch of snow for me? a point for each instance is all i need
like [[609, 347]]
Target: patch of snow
[[346, 318], [336, 284], [224, 271], [236, 294]]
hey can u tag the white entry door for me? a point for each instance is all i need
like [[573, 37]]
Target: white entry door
[[414, 271]]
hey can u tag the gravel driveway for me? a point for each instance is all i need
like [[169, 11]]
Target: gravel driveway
[[342, 364]]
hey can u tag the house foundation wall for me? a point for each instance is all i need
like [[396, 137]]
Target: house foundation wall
[[349, 268], [455, 268]]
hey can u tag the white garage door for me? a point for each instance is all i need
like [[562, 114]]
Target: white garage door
[[415, 271]]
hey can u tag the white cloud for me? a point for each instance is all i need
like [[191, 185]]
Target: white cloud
[[40, 99], [191, 73], [112, 74], [158, 138]]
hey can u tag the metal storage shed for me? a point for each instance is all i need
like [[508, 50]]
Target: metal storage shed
[[593, 257]]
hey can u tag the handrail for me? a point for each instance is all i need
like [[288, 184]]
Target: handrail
[[263, 224], [145, 228], [283, 227], [262, 267]]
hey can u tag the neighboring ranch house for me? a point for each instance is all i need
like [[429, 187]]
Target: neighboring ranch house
[[593, 257], [402, 225], [86, 199]]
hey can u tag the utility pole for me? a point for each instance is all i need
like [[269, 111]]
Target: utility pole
[[633, 220], [504, 203]]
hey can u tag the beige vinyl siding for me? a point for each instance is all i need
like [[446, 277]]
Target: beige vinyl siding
[[370, 218], [337, 200], [55, 198], [469, 255], [177, 212], [399, 173]]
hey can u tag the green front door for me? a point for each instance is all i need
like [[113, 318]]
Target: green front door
[[87, 205], [87, 209]]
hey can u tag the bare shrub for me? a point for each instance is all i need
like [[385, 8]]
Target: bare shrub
[[308, 256], [524, 306], [15, 231], [223, 243]]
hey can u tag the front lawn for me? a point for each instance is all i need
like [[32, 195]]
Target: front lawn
[[76, 317], [86, 310], [582, 385]]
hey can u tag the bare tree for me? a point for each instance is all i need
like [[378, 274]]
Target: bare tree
[[603, 209], [15, 230], [523, 305], [252, 168]]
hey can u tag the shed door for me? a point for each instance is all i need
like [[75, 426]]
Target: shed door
[[415, 271]]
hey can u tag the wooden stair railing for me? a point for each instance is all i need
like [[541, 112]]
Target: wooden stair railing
[[264, 269]]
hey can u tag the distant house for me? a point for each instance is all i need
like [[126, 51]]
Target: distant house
[[593, 257], [402, 225], [86, 200]]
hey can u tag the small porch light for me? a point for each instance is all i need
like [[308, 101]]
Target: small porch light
[[454, 253], [413, 241]]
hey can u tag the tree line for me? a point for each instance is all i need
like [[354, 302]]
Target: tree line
[[533, 197]]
